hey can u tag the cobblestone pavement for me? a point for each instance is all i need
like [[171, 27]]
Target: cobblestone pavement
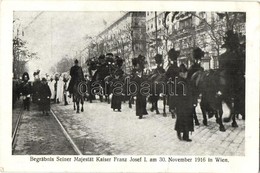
[[99, 130], [39, 134]]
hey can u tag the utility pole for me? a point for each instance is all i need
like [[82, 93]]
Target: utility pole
[[156, 44]]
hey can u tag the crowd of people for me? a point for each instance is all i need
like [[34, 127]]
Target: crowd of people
[[60, 87]]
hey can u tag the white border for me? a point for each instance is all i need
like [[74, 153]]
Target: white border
[[249, 163]]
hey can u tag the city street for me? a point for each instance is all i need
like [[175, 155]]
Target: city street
[[100, 131]]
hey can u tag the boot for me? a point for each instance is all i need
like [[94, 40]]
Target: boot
[[179, 135], [186, 136]]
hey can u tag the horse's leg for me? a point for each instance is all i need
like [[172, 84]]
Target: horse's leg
[[195, 116], [108, 100], [164, 103], [152, 108], [74, 102], [77, 102], [156, 105], [82, 104], [101, 98], [203, 110], [129, 102], [220, 113]]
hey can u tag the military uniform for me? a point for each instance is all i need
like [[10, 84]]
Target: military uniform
[[76, 74], [44, 98]]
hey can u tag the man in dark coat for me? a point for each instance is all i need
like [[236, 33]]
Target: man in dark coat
[[44, 97], [76, 74], [26, 90]]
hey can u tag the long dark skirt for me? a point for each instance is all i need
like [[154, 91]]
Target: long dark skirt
[[172, 102], [141, 105], [116, 102], [184, 122], [44, 104]]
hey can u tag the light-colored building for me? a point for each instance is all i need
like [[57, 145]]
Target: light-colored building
[[188, 30], [125, 38]]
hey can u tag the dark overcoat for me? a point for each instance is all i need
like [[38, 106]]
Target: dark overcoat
[[76, 74], [140, 98], [116, 96], [44, 96], [172, 72], [184, 107]]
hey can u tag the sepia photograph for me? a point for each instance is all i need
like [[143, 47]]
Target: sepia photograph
[[133, 86], [129, 83]]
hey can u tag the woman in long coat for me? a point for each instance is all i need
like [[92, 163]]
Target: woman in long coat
[[117, 96], [44, 97], [184, 107]]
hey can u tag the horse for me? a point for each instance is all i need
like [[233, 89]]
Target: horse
[[193, 69], [158, 86], [102, 77], [79, 90], [213, 86]]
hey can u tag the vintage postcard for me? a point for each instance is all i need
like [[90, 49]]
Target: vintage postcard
[[129, 86]]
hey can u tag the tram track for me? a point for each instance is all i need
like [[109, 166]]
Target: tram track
[[66, 134], [17, 127], [14, 135]]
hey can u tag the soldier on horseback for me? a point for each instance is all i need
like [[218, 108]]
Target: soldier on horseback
[[76, 74], [232, 63]]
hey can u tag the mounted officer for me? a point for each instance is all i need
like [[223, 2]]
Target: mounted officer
[[76, 74]]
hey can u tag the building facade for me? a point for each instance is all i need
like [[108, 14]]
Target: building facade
[[187, 30], [124, 38]]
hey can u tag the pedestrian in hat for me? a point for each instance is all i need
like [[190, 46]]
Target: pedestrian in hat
[[184, 107], [26, 91], [139, 79], [44, 97], [117, 91]]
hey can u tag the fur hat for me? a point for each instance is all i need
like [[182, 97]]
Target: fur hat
[[110, 54], [134, 62], [36, 73], [173, 54], [141, 61], [25, 74], [158, 58], [76, 61], [44, 79], [119, 61], [231, 40], [119, 72], [102, 57], [198, 53]]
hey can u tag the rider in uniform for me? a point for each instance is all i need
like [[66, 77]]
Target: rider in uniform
[[76, 74]]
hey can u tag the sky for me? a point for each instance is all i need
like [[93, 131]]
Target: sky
[[54, 35]]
